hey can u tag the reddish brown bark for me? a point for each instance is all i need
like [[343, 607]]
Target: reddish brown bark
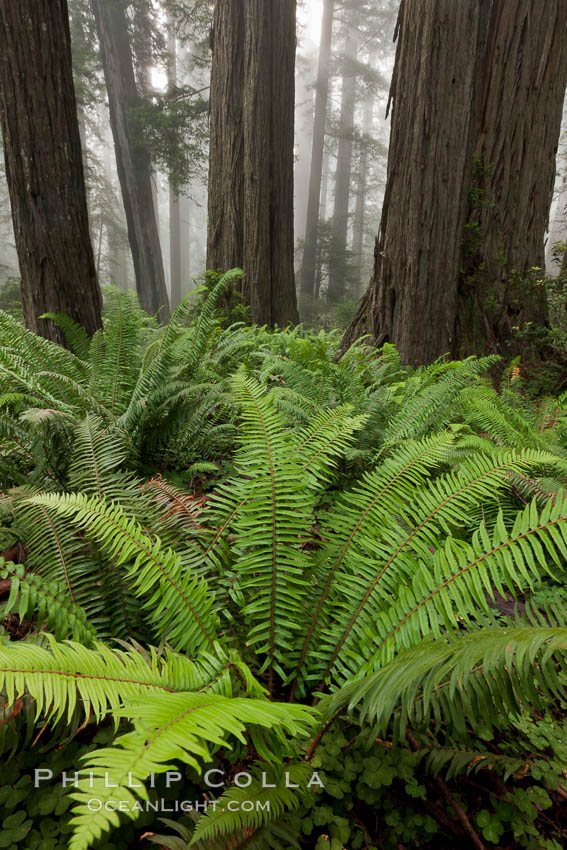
[[251, 153], [44, 166], [225, 235], [477, 92]]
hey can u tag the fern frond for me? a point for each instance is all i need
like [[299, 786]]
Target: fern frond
[[407, 544], [178, 604], [320, 444], [352, 526], [236, 823], [100, 679], [37, 353], [115, 374], [475, 678], [76, 337], [205, 322], [274, 510], [431, 405], [47, 602], [160, 370], [454, 589], [57, 552], [169, 727], [98, 452]]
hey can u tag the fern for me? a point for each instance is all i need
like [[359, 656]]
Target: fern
[[358, 521], [275, 509], [57, 552], [471, 680], [235, 822], [403, 549], [179, 604], [48, 602], [182, 726], [76, 337], [431, 404]]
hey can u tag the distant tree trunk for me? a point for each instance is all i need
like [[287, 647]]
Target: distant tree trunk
[[308, 265], [44, 166], [325, 177], [117, 260], [185, 225], [115, 237], [80, 44], [82, 123], [358, 221], [251, 152], [320, 259], [174, 247], [81, 118], [558, 213], [174, 202], [339, 266], [303, 141], [478, 93], [132, 156], [143, 56]]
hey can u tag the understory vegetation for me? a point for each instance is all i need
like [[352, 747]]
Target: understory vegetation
[[339, 583]]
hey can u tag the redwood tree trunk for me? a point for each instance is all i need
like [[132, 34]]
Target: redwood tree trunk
[[132, 156], [225, 233], [309, 262], [44, 166], [174, 202], [520, 109], [478, 92], [251, 165], [339, 265], [358, 221]]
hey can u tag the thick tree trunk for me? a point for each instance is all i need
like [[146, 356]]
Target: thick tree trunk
[[282, 36], [308, 265], [132, 157], [256, 208], [44, 166], [478, 93], [225, 235], [518, 126], [339, 266]]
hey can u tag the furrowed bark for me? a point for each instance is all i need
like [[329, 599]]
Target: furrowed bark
[[478, 93], [44, 166]]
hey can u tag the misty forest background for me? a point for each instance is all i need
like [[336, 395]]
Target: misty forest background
[[283, 423], [168, 46]]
